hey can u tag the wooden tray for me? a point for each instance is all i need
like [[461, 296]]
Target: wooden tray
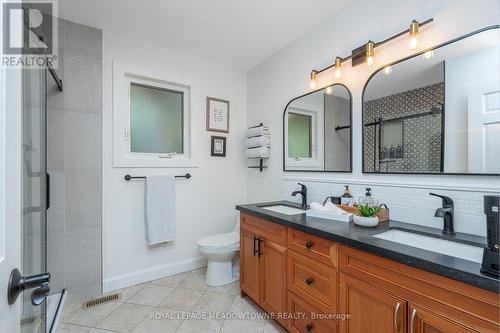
[[383, 215]]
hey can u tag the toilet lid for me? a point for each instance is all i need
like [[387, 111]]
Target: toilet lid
[[230, 238]]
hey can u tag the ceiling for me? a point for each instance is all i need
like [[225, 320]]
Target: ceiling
[[236, 33]]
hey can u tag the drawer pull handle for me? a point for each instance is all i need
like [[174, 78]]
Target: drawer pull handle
[[309, 281], [255, 251], [309, 244], [396, 317], [309, 327], [412, 322]]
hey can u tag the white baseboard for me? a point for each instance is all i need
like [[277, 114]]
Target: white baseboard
[[130, 279]]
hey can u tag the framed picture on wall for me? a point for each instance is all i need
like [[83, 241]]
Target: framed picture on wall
[[217, 115], [218, 146]]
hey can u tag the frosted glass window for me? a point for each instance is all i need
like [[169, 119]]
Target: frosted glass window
[[156, 120], [299, 135]]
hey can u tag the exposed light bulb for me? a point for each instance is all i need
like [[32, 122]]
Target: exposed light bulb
[[328, 90], [313, 79], [413, 34], [388, 69], [413, 43], [338, 64], [428, 55], [370, 52]]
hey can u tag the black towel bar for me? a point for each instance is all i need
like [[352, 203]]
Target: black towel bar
[[129, 177]]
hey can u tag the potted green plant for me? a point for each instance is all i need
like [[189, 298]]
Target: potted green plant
[[366, 216]]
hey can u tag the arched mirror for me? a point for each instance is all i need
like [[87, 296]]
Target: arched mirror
[[437, 112], [317, 131]]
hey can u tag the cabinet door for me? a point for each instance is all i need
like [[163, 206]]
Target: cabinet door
[[370, 309], [273, 278], [249, 264], [425, 321]]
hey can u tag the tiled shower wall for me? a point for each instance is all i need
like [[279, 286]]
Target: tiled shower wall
[[421, 136], [74, 164]]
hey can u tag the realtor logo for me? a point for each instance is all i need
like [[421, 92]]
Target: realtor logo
[[29, 33]]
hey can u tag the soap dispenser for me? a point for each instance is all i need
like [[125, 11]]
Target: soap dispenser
[[368, 199], [346, 198]]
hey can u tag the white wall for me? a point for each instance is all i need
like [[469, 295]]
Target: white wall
[[205, 203], [463, 75], [285, 75]]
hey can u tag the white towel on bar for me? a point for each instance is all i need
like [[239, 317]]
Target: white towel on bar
[[258, 141], [259, 152], [159, 212], [257, 131]]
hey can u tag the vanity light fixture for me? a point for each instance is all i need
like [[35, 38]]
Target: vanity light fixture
[[388, 70], [370, 52], [414, 34], [366, 52], [428, 55], [313, 79], [338, 64]]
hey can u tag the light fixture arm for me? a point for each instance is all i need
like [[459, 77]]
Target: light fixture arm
[[414, 26]]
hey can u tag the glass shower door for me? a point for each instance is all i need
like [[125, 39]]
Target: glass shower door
[[34, 194]]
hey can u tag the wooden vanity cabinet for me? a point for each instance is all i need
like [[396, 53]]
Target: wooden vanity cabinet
[[291, 272], [370, 309], [263, 264], [423, 320], [430, 303]]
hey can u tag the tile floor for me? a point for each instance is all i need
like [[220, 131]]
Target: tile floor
[[161, 306]]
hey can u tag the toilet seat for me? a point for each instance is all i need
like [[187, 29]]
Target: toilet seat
[[220, 240]]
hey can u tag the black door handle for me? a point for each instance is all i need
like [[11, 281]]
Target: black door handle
[[40, 294], [309, 327], [19, 283], [260, 249], [255, 238], [309, 281]]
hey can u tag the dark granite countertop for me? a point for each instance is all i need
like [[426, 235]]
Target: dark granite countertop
[[362, 238]]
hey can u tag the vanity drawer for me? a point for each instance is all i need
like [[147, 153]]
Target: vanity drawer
[[305, 318], [312, 281], [270, 230], [316, 248]]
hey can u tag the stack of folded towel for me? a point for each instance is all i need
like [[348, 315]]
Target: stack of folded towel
[[258, 142]]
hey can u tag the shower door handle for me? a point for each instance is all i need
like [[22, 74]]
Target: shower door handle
[[19, 283], [47, 197]]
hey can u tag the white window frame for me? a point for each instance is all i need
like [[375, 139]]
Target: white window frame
[[316, 161], [123, 76]]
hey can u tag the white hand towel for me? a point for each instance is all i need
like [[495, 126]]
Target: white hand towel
[[330, 207], [159, 212], [257, 131], [259, 152], [258, 141], [317, 206]]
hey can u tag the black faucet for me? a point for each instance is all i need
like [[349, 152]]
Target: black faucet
[[446, 212], [302, 192]]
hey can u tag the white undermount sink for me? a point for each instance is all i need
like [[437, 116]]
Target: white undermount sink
[[443, 246], [283, 209]]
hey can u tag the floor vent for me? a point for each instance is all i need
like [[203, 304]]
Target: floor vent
[[101, 300], [28, 321]]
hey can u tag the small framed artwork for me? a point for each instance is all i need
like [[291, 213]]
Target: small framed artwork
[[217, 115], [218, 147]]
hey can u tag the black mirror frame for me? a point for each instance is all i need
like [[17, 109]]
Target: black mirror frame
[[350, 134], [451, 41]]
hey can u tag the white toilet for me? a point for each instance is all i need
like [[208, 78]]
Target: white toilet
[[221, 251]]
